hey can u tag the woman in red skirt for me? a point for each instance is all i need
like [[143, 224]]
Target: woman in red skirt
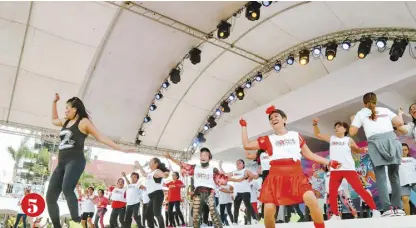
[[286, 183]]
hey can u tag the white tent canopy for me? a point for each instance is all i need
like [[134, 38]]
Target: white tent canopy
[[116, 60]]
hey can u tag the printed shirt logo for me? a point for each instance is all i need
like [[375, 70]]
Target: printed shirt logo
[[285, 142], [203, 176], [66, 141], [338, 143]]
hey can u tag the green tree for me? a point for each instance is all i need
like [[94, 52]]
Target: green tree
[[39, 168], [86, 180], [22, 151]]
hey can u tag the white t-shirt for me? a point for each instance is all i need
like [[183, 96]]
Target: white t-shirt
[[151, 185], [87, 204], [243, 186], [204, 177], [133, 194], [254, 185], [224, 197], [118, 194], [381, 125], [145, 197], [407, 171], [265, 161], [411, 130], [286, 146], [340, 150]]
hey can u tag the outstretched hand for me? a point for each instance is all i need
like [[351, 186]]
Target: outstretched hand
[[400, 111], [334, 164], [315, 121], [168, 156], [57, 98]]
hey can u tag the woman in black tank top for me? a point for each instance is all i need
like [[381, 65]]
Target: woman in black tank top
[[71, 161]]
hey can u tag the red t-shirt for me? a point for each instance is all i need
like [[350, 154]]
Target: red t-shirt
[[174, 193]]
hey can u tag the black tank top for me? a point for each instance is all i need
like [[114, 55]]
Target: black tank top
[[72, 141]]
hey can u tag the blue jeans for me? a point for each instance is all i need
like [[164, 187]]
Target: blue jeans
[[18, 220]]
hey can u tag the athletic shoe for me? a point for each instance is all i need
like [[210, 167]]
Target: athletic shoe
[[376, 214], [335, 217], [388, 213], [399, 212]]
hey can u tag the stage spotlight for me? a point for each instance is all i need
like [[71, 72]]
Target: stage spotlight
[[278, 66], [381, 42], [317, 50], [211, 122], [231, 97], [152, 107], [195, 56], [331, 51], [206, 127], [142, 133], [346, 45], [290, 60], [175, 75], [218, 112], [365, 47], [259, 76], [147, 119], [165, 84], [240, 93], [159, 96], [225, 108], [266, 4], [223, 31], [248, 84], [138, 142], [253, 10], [304, 57], [397, 49], [200, 138]]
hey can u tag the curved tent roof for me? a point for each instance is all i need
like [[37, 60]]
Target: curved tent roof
[[116, 56]]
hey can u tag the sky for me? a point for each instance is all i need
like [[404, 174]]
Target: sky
[[7, 163]]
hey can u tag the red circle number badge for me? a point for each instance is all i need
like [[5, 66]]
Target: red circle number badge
[[33, 205]]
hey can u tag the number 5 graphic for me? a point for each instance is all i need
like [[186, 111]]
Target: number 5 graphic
[[32, 207]]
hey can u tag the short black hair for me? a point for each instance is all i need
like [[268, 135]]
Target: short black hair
[[344, 125], [101, 190], [242, 161], [135, 174], [92, 188], [280, 112], [204, 149]]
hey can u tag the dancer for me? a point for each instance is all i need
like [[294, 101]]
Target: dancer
[[71, 161], [88, 208], [133, 197], [206, 178], [286, 183], [102, 203], [145, 201], [409, 129], [241, 189], [118, 204], [158, 171], [20, 213], [225, 201], [174, 198], [384, 150], [340, 150], [407, 174]]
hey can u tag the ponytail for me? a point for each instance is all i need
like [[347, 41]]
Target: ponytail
[[370, 100], [372, 107], [161, 166]]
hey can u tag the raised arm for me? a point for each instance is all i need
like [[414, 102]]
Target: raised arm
[[55, 117], [160, 174], [230, 174], [251, 175], [397, 120], [176, 161], [317, 132], [123, 174], [356, 149], [137, 165], [247, 144], [91, 129]]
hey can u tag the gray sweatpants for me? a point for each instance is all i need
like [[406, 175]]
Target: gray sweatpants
[[381, 183]]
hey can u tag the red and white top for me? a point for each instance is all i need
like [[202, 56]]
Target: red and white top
[[204, 177], [287, 146], [340, 150], [118, 198]]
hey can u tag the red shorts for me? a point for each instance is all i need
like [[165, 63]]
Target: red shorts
[[286, 183]]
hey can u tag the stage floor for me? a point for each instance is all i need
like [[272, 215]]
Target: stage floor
[[389, 222]]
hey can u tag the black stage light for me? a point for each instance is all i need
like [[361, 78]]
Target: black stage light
[[147, 119], [211, 122], [225, 107], [159, 96], [175, 76], [138, 142], [266, 3], [304, 57], [194, 56], [259, 76], [331, 51], [253, 10], [278, 66], [290, 60], [397, 49], [223, 31], [152, 107], [240, 93], [200, 137], [381, 42], [142, 133], [364, 47]]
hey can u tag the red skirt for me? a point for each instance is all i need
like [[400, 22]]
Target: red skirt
[[286, 183]]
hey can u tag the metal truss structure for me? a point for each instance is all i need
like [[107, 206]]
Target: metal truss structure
[[204, 37], [52, 136], [352, 35]]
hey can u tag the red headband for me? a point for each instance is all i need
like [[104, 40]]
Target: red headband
[[270, 110]]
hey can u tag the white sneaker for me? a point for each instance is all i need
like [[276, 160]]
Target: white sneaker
[[335, 217], [399, 212], [376, 214], [388, 213]]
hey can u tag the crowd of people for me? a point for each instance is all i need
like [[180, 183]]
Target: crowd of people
[[279, 155]]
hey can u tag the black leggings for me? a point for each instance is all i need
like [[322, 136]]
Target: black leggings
[[23, 216], [177, 205], [245, 197], [154, 209], [120, 213], [64, 179], [144, 217], [223, 215], [133, 210]]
